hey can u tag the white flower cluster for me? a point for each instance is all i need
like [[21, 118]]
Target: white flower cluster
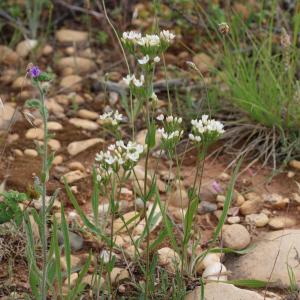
[[149, 40], [118, 155], [112, 117], [169, 135], [169, 119], [206, 129], [144, 60], [132, 79]]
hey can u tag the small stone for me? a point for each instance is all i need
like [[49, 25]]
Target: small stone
[[75, 262], [169, 259], [118, 275], [84, 124], [215, 271], [113, 98], [276, 201], [35, 134], [73, 176], [224, 176], [54, 107], [76, 241], [71, 83], [73, 280], [7, 113], [87, 114], [58, 160], [203, 62], [250, 207], [47, 50], [209, 259], [25, 47], [206, 207], [81, 65], [260, 220], [296, 198], [141, 136], [238, 198], [77, 147], [71, 36], [295, 164], [282, 222], [130, 219], [291, 174], [236, 236], [76, 165], [54, 144], [179, 197], [54, 126], [253, 197], [89, 279], [31, 152], [21, 83], [221, 198], [234, 220], [8, 56], [18, 152]]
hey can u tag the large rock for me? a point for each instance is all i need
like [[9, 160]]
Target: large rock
[[71, 36], [81, 65], [273, 250], [75, 148], [224, 291]]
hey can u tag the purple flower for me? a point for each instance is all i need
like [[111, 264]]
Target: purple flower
[[217, 187], [35, 71]]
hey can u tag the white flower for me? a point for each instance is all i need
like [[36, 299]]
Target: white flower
[[167, 36], [132, 36], [128, 79], [169, 119], [144, 60], [154, 97], [118, 116], [110, 160], [139, 82], [104, 255], [160, 117], [196, 138], [156, 59]]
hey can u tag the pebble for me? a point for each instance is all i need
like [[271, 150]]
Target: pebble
[[54, 144], [75, 262], [221, 198], [179, 198], [58, 159], [291, 174], [80, 64], [54, 107], [250, 207], [25, 47], [71, 36], [7, 112], [215, 271], [34, 134], [73, 280], [77, 147], [18, 152], [84, 124], [71, 83], [76, 241], [260, 220], [87, 114], [206, 207], [47, 50], [31, 152], [89, 279], [238, 198], [118, 275], [282, 222], [276, 201], [21, 83], [54, 126], [234, 220], [203, 62], [224, 176], [76, 165], [169, 259], [113, 98], [72, 176], [209, 259], [8, 56], [236, 236], [130, 219], [295, 164]]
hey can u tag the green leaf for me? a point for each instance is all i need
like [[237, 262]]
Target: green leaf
[[249, 283], [33, 103], [150, 137], [188, 219], [67, 245], [95, 197]]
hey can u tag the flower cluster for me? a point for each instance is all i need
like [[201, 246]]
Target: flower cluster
[[116, 157], [112, 118], [132, 80], [150, 44], [206, 130], [171, 131]]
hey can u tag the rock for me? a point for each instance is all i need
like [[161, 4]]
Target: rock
[[234, 220], [113, 98], [21, 83], [203, 62], [224, 291], [54, 126], [130, 219], [47, 50], [215, 271], [238, 198], [118, 275], [71, 83], [179, 197], [250, 207], [31, 152], [76, 241], [72, 176], [282, 222], [260, 220], [87, 114], [221, 198], [253, 197], [18, 152], [296, 198], [71, 36], [75, 262], [276, 201], [34, 134], [8, 56], [77, 147], [268, 260], [169, 259], [54, 107], [295, 164], [76, 165], [25, 47], [206, 207], [73, 279], [224, 176], [54, 144], [236, 236], [141, 136], [90, 279], [81, 65], [84, 124], [58, 160], [209, 259], [34, 228], [8, 76], [7, 112]]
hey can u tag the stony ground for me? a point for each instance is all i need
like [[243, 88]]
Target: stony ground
[[265, 210]]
